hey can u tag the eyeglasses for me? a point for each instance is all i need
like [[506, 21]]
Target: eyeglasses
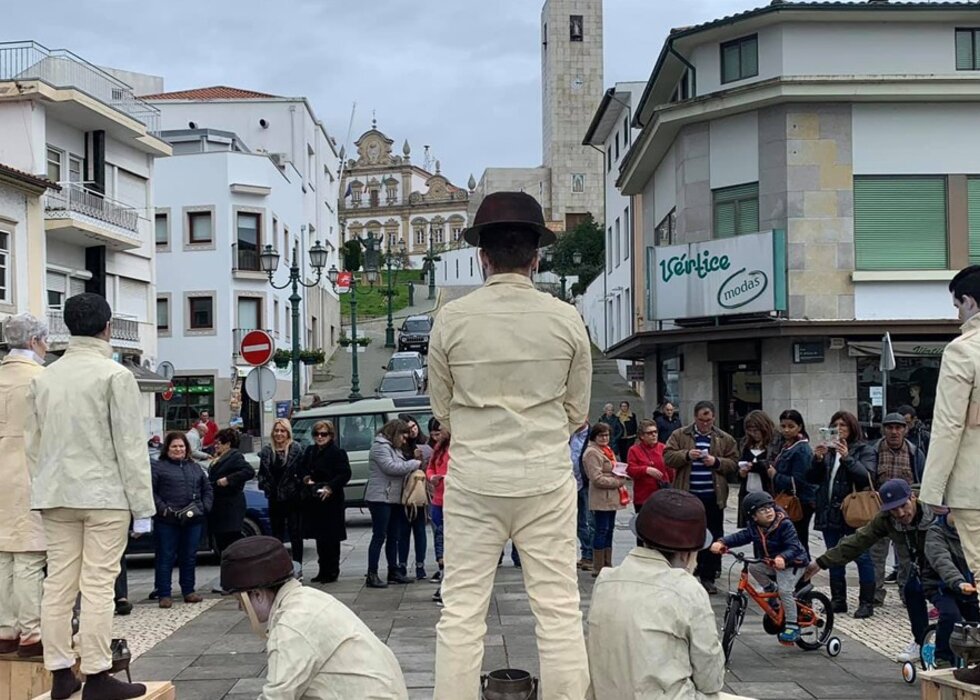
[[649, 432], [321, 434]]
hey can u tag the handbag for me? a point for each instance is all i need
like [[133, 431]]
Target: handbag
[[624, 496], [860, 507], [790, 503]]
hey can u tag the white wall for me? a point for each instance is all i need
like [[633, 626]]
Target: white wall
[[664, 190], [458, 268], [903, 300], [13, 208], [733, 157], [916, 139], [22, 136], [707, 59]]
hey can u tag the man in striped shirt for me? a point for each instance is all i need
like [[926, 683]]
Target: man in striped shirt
[[703, 456]]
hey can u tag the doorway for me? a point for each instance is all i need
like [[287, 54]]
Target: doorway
[[740, 393]]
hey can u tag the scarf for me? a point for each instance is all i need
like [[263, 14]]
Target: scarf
[[894, 464], [610, 455]]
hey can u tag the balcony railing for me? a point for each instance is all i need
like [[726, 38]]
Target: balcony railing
[[75, 198], [246, 259], [28, 60], [126, 330]]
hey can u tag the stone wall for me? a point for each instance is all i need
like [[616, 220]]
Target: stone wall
[[816, 390], [693, 184]]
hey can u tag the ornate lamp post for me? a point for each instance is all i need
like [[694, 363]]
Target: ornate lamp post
[[269, 259], [430, 260], [549, 257], [390, 329], [370, 273]]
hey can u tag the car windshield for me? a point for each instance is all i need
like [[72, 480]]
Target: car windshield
[[397, 384], [419, 326], [399, 363]]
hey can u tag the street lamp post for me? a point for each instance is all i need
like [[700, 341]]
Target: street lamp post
[[390, 329], [371, 274], [431, 259], [549, 257], [270, 262]]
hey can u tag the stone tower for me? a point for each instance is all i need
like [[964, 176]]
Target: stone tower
[[571, 87]]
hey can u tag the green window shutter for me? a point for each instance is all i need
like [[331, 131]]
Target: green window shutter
[[964, 49], [736, 210], [725, 220], [730, 63], [973, 208], [748, 215], [900, 223], [749, 58]]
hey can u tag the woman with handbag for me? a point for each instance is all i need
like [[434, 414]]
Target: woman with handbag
[[845, 493], [325, 471], [282, 483], [606, 493], [757, 455], [183, 497], [796, 495]]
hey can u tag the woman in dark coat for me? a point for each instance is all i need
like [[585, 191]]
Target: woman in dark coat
[[326, 471], [282, 483], [182, 495], [838, 470], [757, 455], [228, 474]]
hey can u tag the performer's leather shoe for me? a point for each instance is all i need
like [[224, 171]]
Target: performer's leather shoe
[[103, 686], [9, 646], [30, 651], [968, 675], [64, 684]]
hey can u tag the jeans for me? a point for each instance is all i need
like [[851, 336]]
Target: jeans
[[866, 568], [388, 526], [586, 524], [605, 523], [435, 513], [785, 584], [414, 528], [709, 565], [915, 606], [953, 607], [286, 521], [175, 543]]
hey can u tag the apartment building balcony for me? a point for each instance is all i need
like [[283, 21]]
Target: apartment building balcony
[[79, 215], [124, 330], [245, 262]]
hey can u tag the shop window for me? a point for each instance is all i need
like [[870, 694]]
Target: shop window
[[900, 223], [736, 210], [192, 396], [912, 382]]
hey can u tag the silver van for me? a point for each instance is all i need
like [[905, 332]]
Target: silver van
[[356, 423]]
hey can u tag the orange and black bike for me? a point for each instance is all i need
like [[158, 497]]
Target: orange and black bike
[[815, 615]]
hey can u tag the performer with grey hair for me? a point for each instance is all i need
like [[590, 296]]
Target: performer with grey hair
[[22, 544]]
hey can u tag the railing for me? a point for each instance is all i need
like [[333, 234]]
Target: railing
[[246, 259], [123, 329], [28, 60], [75, 198]]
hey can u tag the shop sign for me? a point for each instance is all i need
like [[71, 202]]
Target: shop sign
[[740, 275], [808, 352], [634, 373]]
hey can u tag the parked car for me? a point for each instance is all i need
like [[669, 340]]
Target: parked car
[[414, 361], [356, 423], [400, 384], [414, 334]]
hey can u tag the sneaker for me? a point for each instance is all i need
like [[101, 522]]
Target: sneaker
[[892, 576], [437, 597], [910, 653], [123, 607], [420, 572], [790, 634], [436, 577]]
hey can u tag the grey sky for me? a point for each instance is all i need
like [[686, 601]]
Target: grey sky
[[461, 75]]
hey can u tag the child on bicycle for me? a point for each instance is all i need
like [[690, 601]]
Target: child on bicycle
[[773, 538], [948, 584]]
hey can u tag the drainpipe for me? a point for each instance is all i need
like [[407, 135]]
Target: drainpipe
[[688, 65], [605, 272]]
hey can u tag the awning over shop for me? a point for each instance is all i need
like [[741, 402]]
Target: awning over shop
[[901, 349], [148, 381]]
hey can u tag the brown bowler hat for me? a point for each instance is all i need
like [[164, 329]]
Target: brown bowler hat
[[513, 210], [672, 520], [255, 562]]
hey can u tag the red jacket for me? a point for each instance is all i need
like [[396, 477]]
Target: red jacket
[[639, 458], [438, 466], [208, 438]]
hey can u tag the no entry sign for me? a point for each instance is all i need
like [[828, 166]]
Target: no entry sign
[[168, 392], [257, 348]]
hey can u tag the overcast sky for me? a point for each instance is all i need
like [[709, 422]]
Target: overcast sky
[[461, 75]]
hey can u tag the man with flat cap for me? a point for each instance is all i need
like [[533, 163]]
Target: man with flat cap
[[652, 633], [318, 649], [510, 375]]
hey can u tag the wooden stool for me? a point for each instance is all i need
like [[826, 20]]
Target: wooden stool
[[940, 685], [154, 691], [22, 679]]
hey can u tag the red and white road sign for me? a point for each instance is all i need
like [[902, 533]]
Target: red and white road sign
[[343, 282], [168, 392], [257, 348]]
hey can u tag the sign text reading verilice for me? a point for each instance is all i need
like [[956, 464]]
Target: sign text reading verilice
[[702, 265]]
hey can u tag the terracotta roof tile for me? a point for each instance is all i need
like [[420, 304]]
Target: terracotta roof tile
[[216, 92], [28, 177]]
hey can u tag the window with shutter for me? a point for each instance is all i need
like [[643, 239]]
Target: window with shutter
[[973, 205], [900, 223], [967, 49], [736, 210]]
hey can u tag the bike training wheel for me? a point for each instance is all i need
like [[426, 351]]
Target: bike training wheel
[[833, 646], [817, 624], [908, 672], [927, 653], [733, 620]]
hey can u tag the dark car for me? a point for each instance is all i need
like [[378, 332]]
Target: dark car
[[414, 334], [256, 523]]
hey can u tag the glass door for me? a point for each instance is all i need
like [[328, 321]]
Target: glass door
[[740, 392]]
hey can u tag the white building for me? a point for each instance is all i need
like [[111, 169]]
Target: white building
[[80, 127], [804, 181], [217, 204], [607, 305]]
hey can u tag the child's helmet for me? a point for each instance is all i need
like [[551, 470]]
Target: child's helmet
[[755, 501]]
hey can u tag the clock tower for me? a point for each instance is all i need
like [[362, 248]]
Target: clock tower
[[571, 87]]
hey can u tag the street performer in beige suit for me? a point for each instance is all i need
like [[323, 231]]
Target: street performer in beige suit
[[509, 375], [91, 474], [952, 472], [21, 533]]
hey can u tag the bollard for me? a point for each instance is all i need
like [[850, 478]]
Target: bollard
[[508, 684], [411, 294]]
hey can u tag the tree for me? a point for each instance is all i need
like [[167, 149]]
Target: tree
[[587, 239], [352, 256]]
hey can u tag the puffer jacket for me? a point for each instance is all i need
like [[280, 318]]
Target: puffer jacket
[[178, 484], [387, 469], [852, 474], [945, 567], [777, 540]]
